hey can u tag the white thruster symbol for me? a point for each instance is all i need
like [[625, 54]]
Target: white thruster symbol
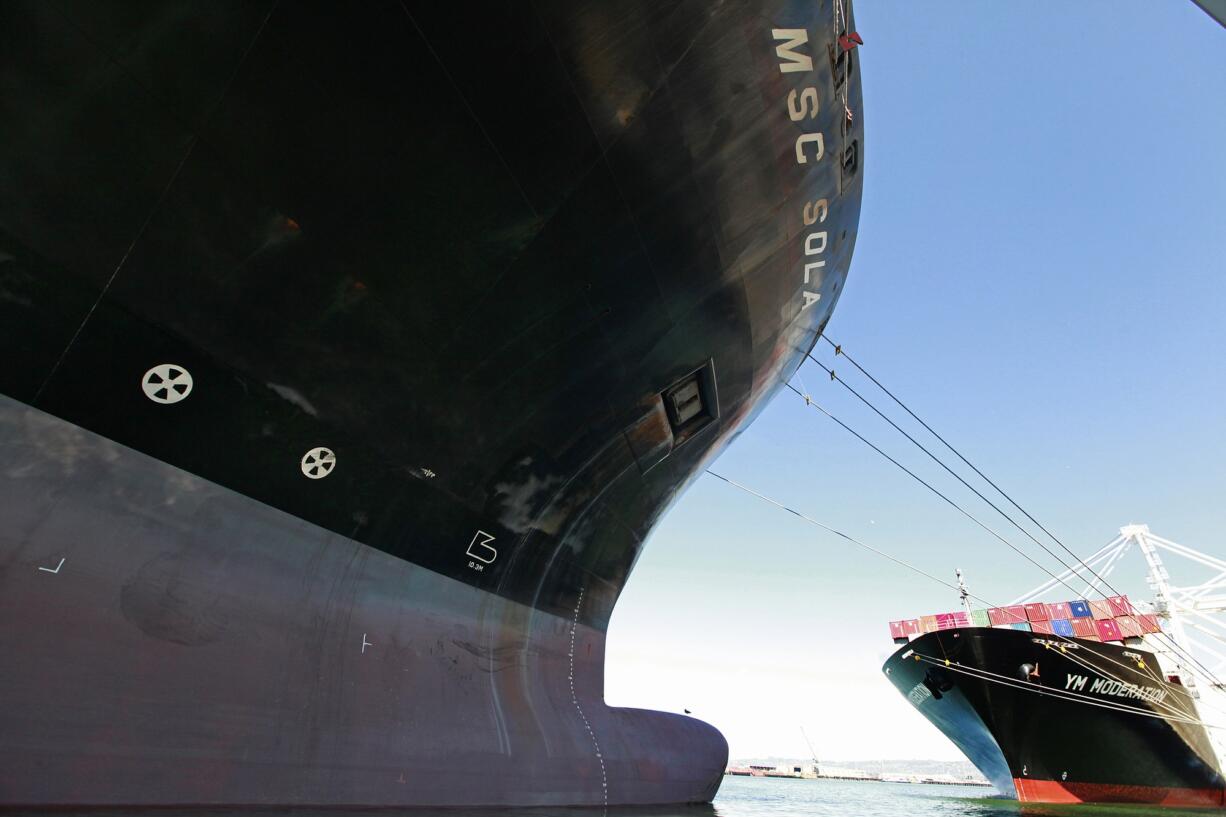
[[167, 383], [318, 463]]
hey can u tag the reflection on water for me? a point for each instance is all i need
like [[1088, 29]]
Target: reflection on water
[[742, 797]]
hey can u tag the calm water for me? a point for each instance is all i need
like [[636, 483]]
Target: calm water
[[781, 797], [761, 797]]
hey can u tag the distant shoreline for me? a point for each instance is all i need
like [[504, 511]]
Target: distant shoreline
[[916, 780]]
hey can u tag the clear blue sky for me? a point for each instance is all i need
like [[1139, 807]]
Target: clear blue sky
[[1041, 274]]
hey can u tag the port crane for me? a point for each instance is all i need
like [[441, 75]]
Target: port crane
[[817, 770]]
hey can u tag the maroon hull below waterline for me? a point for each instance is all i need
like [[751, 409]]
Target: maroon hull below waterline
[[197, 647]]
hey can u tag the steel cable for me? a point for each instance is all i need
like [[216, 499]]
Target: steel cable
[[838, 350], [920, 571]]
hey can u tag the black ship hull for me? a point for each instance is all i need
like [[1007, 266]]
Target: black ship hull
[[1061, 720], [352, 353]]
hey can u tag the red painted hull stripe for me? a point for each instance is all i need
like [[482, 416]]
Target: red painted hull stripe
[[1056, 791]]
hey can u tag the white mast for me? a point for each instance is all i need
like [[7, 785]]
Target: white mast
[[1159, 580], [963, 592]]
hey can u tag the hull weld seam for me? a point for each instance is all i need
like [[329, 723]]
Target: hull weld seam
[[574, 625]]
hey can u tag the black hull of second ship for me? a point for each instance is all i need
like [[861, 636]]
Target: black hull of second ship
[[1026, 710], [521, 269]]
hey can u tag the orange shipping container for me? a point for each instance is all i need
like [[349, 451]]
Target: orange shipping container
[[1059, 610], [1036, 611], [1129, 626], [1084, 628], [1149, 623]]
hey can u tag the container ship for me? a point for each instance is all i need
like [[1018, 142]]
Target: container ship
[[352, 351], [1086, 700]]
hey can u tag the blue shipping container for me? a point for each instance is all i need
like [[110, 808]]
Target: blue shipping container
[[1062, 626], [1021, 625], [1080, 609]]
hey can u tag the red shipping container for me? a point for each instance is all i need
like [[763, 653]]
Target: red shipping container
[[1017, 613], [946, 621], [1101, 610], [1084, 628], [896, 630], [1129, 626], [1149, 623], [1041, 627], [998, 616], [962, 619], [1120, 606], [1108, 630], [1059, 610], [1036, 611], [911, 626]]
